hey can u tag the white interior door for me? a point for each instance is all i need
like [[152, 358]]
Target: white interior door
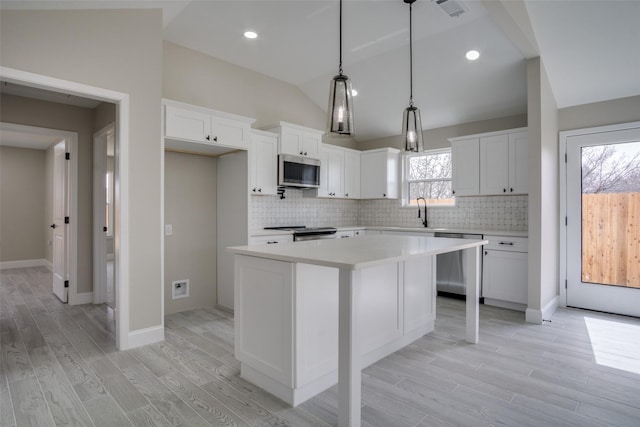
[[603, 234], [60, 229]]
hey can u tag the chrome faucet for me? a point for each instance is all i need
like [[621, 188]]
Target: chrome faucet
[[424, 221]]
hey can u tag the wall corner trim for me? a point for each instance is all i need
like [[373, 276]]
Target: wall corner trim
[[81, 298], [145, 336], [536, 316]]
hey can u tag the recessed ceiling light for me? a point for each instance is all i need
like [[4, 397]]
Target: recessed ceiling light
[[250, 34], [354, 92], [472, 55]]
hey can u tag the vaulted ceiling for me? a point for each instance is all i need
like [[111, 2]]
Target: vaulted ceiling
[[589, 48]]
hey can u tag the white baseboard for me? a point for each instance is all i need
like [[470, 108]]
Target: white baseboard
[[551, 307], [82, 298], [5, 265], [49, 265], [536, 316], [145, 336]]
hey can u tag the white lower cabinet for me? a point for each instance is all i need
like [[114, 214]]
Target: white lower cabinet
[[397, 308], [270, 239], [504, 272]]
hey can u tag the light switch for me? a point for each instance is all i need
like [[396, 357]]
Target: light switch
[[168, 229]]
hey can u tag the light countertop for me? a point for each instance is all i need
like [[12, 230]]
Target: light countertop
[[355, 254], [416, 230]]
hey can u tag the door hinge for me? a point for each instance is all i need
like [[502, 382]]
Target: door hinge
[[565, 157], [565, 283], [66, 220], [66, 283], [67, 156], [566, 221]]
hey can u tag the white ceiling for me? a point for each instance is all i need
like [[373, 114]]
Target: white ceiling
[[589, 48]]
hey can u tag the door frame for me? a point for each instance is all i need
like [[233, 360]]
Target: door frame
[[124, 338], [99, 239], [562, 154]]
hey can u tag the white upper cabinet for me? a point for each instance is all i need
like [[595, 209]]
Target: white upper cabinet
[[504, 164], [297, 140], [201, 130], [489, 164], [339, 173], [379, 174], [465, 161], [264, 162]]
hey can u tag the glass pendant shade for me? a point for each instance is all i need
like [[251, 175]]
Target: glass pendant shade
[[412, 130], [340, 117]]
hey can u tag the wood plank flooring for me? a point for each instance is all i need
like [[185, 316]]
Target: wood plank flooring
[[59, 366]]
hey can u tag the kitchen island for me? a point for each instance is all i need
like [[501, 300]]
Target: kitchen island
[[304, 309]]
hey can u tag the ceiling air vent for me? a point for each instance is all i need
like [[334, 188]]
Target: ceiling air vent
[[451, 7]]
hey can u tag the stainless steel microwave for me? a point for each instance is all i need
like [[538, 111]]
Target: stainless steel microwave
[[298, 172]]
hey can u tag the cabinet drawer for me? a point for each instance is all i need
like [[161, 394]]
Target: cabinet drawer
[[269, 240], [507, 243]]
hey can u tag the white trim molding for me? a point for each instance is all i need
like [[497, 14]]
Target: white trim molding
[[145, 336], [26, 263], [82, 298], [121, 100]]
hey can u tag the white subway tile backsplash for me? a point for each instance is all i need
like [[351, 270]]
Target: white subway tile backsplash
[[509, 213]]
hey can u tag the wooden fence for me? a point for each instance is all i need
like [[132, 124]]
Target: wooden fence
[[611, 239]]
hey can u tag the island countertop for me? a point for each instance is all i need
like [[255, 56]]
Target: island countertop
[[355, 254]]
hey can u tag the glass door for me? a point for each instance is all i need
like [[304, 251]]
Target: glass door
[[603, 221]]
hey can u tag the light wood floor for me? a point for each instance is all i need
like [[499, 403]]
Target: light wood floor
[[59, 366]]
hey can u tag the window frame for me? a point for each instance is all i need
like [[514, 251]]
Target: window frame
[[405, 181]]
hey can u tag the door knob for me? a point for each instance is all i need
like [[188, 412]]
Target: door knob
[[104, 229], [53, 226]]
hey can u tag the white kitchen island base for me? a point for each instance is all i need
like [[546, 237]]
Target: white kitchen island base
[[310, 314]]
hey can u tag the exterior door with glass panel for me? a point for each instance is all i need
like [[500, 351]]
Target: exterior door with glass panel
[[603, 227]]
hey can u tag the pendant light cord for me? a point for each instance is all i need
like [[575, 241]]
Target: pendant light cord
[[340, 68], [410, 57]]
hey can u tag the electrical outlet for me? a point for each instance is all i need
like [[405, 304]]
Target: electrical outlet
[[168, 229], [180, 289]]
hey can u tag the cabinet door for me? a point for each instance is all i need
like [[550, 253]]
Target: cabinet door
[[351, 175], [519, 163], [264, 155], [181, 123], [323, 190], [378, 175], [494, 165], [504, 276], [291, 142], [230, 132], [465, 159], [310, 145], [335, 171]]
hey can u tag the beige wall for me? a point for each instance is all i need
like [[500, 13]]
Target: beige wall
[[604, 113], [190, 207], [32, 112], [22, 204], [543, 191], [121, 51], [103, 115], [195, 78], [438, 137]]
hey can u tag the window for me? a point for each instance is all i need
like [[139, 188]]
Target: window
[[428, 175]]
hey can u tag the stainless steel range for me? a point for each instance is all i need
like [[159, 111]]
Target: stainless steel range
[[301, 233]]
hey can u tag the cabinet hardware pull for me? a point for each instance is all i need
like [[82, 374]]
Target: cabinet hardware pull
[[506, 243], [486, 253], [384, 194], [453, 191], [215, 139], [254, 190], [305, 153], [346, 195], [504, 190], [259, 190], [301, 153], [271, 242], [208, 138], [511, 190]]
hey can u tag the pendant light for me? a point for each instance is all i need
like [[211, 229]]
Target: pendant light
[[411, 123], [340, 110]]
